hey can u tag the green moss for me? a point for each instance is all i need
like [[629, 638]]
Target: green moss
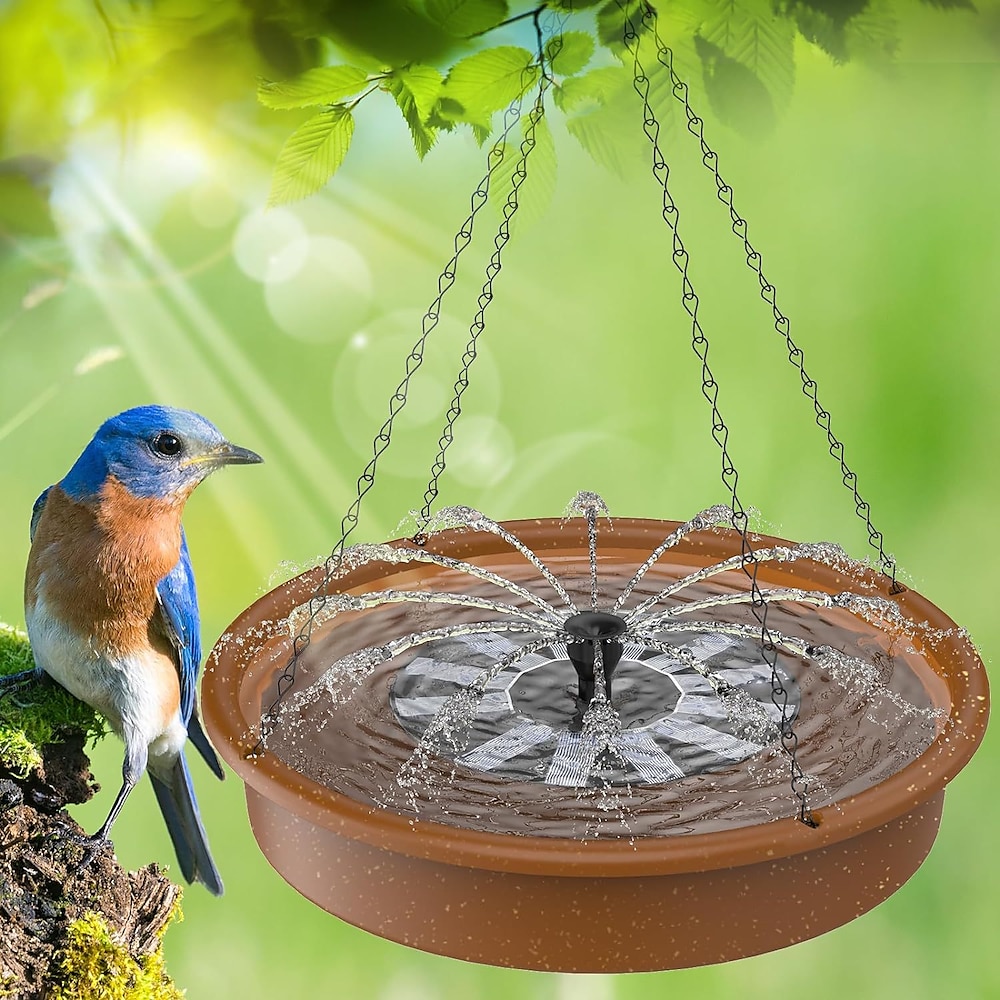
[[36, 715], [93, 966]]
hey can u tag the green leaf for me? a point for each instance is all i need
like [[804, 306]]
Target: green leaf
[[539, 186], [573, 5], [872, 36], [611, 22], [325, 85], [678, 33], [752, 35], [593, 90], [415, 90], [860, 29], [570, 52], [463, 18], [482, 133], [311, 156], [602, 115], [490, 80], [424, 83], [446, 113], [824, 31], [736, 94]]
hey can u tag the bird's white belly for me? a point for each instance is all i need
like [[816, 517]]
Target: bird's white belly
[[129, 691]]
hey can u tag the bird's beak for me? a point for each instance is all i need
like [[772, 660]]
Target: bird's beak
[[231, 454], [225, 454]]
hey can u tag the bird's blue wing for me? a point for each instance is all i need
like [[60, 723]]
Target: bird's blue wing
[[36, 512], [179, 602]]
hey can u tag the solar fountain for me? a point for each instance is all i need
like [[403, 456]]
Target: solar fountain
[[590, 743]]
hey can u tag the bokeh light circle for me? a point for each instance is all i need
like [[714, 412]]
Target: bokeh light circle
[[482, 452], [372, 365], [212, 204], [271, 245], [328, 296]]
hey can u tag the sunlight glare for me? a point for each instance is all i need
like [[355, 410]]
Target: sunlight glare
[[329, 296], [271, 246]]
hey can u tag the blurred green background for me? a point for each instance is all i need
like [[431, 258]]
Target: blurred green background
[[874, 203]]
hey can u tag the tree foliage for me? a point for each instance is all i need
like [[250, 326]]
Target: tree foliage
[[740, 53], [445, 65]]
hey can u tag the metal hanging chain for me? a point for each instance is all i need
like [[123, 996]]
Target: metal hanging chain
[[397, 401], [492, 270], [720, 432], [724, 192]]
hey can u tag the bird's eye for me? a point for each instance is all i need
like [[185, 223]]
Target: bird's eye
[[167, 444]]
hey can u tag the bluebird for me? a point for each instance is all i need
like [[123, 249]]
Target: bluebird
[[111, 606]]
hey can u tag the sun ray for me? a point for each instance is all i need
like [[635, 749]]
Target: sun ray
[[298, 448]]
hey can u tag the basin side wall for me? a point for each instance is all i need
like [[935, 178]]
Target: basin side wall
[[585, 924]]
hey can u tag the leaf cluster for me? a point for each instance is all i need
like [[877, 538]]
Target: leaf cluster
[[469, 93], [65, 66], [430, 102], [738, 53]]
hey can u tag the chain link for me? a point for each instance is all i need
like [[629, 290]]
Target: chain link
[[519, 176], [710, 390], [724, 192], [397, 401]]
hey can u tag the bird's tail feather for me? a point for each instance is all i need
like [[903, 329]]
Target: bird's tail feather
[[175, 795], [197, 736]]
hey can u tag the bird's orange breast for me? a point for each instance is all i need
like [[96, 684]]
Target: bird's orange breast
[[97, 563]]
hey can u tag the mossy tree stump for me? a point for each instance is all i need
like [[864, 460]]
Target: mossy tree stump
[[68, 930]]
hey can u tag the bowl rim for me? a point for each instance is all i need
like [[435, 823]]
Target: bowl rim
[[954, 659]]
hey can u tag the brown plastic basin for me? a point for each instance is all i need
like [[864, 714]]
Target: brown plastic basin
[[601, 905]]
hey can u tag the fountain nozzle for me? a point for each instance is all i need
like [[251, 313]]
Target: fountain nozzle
[[591, 627]]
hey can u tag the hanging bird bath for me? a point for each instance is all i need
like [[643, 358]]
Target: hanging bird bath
[[513, 862], [592, 744]]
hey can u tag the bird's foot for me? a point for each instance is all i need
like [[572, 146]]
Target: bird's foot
[[21, 677], [12, 685], [91, 845]]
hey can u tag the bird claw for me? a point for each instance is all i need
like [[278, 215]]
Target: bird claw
[[10, 680], [13, 684], [90, 844]]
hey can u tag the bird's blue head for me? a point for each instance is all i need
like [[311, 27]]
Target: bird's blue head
[[154, 451]]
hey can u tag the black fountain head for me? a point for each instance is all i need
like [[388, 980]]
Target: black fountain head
[[589, 628], [593, 625]]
